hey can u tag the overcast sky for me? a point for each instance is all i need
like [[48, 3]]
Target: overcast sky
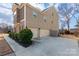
[[6, 12]]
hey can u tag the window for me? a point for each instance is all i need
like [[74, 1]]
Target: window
[[34, 14], [18, 15], [22, 13]]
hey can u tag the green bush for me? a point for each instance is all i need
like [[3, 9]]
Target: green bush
[[25, 36], [10, 34], [13, 35], [16, 36]]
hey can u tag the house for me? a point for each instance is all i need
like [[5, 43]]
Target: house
[[3, 28], [26, 15]]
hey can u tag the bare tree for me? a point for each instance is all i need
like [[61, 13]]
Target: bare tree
[[77, 20], [67, 12], [76, 8], [76, 14]]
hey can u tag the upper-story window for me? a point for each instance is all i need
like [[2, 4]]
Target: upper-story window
[[22, 13], [34, 14]]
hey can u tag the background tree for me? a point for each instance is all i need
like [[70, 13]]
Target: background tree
[[77, 25], [76, 9], [62, 25], [66, 11]]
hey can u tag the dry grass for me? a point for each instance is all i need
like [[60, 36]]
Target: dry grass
[[70, 36]]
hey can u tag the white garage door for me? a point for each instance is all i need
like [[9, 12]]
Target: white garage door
[[43, 32]]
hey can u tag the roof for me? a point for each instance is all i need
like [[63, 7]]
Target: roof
[[38, 9]]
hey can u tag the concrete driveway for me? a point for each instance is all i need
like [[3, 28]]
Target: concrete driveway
[[47, 46]]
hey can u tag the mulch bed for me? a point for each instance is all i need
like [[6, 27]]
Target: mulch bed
[[23, 44]]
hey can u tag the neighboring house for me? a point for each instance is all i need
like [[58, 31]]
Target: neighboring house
[[10, 28], [26, 15], [3, 28]]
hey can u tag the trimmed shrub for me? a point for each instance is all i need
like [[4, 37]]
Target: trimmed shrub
[[25, 36], [16, 36], [13, 35], [10, 34]]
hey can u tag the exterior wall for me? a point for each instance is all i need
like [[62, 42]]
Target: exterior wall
[[32, 21], [50, 23], [39, 22], [19, 17], [47, 19]]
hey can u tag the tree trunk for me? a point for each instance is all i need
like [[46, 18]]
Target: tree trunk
[[68, 25]]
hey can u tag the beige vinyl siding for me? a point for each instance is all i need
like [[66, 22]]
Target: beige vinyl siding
[[34, 18]]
